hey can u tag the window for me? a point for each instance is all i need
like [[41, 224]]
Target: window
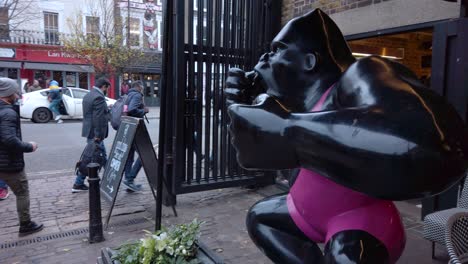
[[51, 28], [79, 93], [66, 92], [134, 32], [92, 26]]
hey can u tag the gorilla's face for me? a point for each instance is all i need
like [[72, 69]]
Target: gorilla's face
[[286, 70]]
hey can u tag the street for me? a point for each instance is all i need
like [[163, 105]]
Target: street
[[60, 145]]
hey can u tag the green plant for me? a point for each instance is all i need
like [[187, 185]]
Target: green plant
[[176, 245]]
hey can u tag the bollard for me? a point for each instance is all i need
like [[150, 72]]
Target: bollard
[[95, 219]]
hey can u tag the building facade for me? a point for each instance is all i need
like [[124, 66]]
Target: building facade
[[144, 31], [33, 48]]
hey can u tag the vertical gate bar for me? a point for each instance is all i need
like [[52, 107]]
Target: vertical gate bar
[[224, 136], [190, 95], [230, 64], [208, 96], [240, 56], [199, 90], [239, 33], [217, 86]]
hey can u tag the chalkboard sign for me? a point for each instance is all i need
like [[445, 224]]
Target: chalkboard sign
[[118, 157]]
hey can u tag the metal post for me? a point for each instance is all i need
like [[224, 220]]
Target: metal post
[[95, 219]]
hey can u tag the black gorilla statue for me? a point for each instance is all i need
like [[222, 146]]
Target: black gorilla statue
[[363, 132]]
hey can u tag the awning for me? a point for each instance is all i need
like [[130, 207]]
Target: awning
[[10, 64], [58, 67]]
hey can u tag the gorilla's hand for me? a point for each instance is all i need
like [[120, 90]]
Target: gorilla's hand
[[258, 135], [240, 87]]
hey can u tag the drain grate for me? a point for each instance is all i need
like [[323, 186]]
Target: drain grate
[[66, 234]]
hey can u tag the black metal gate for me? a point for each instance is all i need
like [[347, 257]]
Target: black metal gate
[[206, 38]]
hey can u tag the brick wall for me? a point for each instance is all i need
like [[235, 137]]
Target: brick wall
[[293, 8]]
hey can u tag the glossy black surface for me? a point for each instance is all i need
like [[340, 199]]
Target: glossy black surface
[[382, 132]]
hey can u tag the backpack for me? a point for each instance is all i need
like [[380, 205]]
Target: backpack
[[117, 110], [92, 153]]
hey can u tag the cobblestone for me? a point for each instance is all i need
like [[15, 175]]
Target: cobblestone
[[223, 212]]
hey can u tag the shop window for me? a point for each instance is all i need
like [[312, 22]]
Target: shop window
[[51, 28], [92, 27], [4, 24], [134, 32], [71, 79], [57, 76], [83, 79]]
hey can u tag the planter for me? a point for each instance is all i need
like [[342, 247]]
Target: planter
[[205, 256]]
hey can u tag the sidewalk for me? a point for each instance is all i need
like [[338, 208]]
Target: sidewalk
[[65, 215]]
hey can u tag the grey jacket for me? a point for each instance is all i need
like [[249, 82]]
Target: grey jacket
[[95, 115]]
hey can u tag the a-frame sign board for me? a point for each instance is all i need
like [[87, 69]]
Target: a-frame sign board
[[131, 131]]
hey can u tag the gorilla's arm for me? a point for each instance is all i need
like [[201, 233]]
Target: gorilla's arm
[[366, 150]]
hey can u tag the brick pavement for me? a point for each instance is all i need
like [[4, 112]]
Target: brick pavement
[[66, 218]]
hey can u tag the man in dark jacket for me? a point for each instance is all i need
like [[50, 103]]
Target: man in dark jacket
[[11, 154], [95, 122], [136, 108]]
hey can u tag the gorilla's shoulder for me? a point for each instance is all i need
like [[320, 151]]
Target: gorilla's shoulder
[[375, 67], [375, 79]]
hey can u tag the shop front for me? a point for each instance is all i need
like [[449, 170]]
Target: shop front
[[27, 62], [150, 75]]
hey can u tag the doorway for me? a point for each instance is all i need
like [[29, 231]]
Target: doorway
[[412, 49]]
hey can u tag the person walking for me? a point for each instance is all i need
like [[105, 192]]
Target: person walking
[[124, 88], [95, 123], [55, 98], [12, 150], [3, 190], [136, 108]]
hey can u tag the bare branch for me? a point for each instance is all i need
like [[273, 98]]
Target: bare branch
[[103, 49]]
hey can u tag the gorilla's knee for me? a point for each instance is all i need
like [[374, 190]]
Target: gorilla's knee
[[355, 246]]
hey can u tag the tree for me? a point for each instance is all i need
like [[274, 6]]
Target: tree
[[98, 39], [14, 13]]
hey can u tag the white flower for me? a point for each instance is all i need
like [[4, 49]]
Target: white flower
[[170, 251]]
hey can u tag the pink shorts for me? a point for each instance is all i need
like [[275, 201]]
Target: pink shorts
[[322, 208]]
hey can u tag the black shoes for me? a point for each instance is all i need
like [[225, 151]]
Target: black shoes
[[79, 188], [29, 228]]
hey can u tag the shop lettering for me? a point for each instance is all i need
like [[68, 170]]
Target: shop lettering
[[60, 54]]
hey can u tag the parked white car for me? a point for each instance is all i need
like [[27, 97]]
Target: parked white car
[[35, 106]]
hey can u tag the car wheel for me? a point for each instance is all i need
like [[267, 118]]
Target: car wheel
[[42, 115]]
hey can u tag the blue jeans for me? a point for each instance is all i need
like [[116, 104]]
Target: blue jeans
[[133, 171], [79, 180], [54, 106], [3, 185]]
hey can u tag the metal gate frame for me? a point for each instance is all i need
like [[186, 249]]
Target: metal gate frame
[[196, 146]]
